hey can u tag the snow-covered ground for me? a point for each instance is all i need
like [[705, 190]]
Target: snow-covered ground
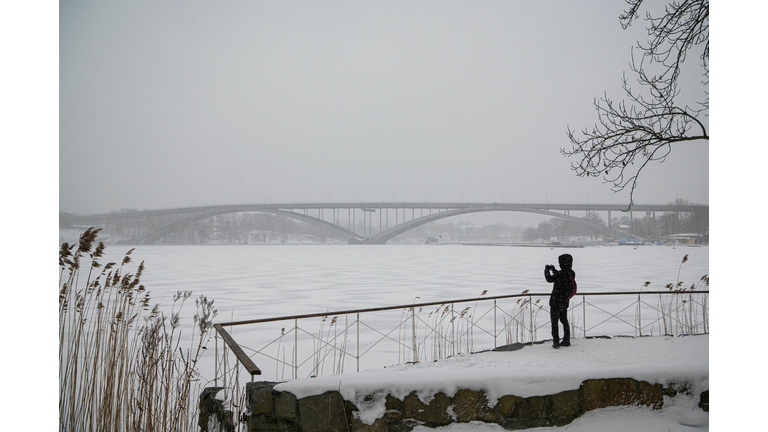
[[540, 370]]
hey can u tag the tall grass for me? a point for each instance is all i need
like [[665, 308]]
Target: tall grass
[[121, 363], [688, 311], [521, 326], [331, 346]]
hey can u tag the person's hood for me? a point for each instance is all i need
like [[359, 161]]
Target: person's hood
[[566, 261]]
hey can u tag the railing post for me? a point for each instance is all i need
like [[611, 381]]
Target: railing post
[[584, 313], [639, 317], [494, 323], [453, 327], [690, 313], [296, 348], [216, 359], [358, 342], [530, 306], [413, 337]]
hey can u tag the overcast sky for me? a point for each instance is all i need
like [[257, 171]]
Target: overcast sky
[[170, 104]]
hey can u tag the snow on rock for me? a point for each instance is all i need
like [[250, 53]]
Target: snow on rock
[[535, 370], [678, 415]]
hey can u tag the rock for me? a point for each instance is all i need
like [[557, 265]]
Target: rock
[[379, 425], [393, 403], [433, 414], [608, 392], [472, 405], [323, 413], [259, 397], [620, 391], [266, 423], [527, 412], [507, 404], [406, 425], [565, 407], [286, 406], [651, 395], [536, 407], [213, 417], [591, 394], [704, 400], [392, 416]]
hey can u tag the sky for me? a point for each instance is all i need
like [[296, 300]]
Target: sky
[[163, 105]]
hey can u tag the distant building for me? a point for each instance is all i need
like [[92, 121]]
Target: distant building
[[632, 241], [689, 238]]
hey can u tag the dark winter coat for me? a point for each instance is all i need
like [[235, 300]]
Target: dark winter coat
[[563, 286]]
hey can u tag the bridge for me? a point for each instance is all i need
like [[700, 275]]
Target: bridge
[[393, 218]]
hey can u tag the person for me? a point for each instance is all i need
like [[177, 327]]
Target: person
[[558, 300]]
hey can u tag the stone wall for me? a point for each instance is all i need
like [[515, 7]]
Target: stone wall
[[270, 410]]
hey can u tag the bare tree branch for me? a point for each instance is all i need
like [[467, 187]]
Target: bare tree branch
[[641, 128]]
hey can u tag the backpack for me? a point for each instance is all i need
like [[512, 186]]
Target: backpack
[[573, 282]]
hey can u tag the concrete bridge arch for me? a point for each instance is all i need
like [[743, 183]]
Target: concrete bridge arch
[[393, 232], [156, 234]]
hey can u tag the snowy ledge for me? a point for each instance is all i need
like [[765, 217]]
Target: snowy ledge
[[535, 370], [534, 387]]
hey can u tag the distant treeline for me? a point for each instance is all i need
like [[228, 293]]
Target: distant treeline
[[248, 228], [647, 226]]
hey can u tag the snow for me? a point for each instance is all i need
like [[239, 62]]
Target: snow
[[534, 370], [249, 282]]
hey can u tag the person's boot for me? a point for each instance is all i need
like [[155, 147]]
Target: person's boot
[[565, 342], [555, 344]]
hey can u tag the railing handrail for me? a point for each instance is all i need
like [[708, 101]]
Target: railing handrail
[[246, 361], [475, 299]]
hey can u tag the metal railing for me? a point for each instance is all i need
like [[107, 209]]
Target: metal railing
[[332, 342]]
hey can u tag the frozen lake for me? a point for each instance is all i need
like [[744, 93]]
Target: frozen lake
[[254, 281]]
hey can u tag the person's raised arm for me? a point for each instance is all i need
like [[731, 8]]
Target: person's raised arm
[[547, 275]]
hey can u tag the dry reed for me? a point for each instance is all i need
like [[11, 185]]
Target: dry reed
[[686, 312], [115, 372]]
